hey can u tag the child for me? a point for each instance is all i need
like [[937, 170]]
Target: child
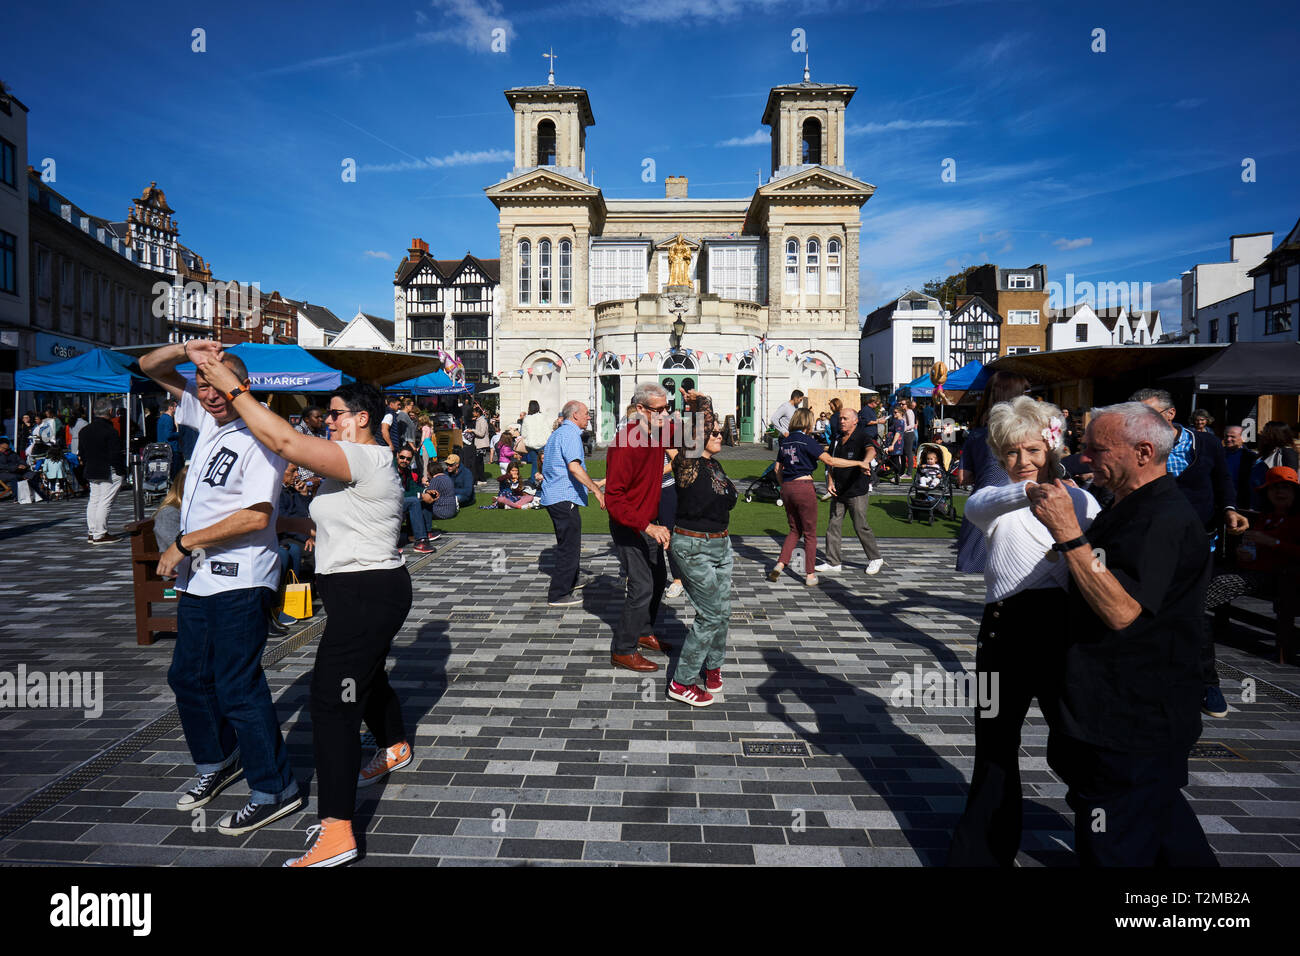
[[929, 476], [54, 471], [513, 492]]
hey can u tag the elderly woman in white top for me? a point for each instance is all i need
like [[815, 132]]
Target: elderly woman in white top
[[1018, 653]]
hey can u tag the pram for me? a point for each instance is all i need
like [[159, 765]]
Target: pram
[[931, 490], [156, 459], [765, 487]]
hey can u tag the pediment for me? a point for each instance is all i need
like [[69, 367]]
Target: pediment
[[815, 180], [541, 182]]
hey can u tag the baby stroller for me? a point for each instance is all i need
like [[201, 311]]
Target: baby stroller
[[765, 487], [931, 490], [157, 470]]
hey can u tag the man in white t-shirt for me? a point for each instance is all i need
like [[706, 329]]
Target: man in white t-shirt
[[226, 564]]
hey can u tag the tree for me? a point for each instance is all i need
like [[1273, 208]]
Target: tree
[[947, 290]]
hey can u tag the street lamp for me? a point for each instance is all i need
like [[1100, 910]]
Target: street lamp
[[679, 329]]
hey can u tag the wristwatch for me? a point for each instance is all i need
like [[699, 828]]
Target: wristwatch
[[180, 547], [231, 396], [1063, 546]]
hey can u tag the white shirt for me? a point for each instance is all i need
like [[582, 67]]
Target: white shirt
[[1018, 542], [76, 435], [230, 470], [358, 522]]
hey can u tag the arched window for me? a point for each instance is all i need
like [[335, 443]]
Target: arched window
[[832, 267], [678, 360], [610, 363], [545, 143], [746, 365], [812, 141], [792, 266], [525, 271], [544, 272], [812, 268], [566, 272]]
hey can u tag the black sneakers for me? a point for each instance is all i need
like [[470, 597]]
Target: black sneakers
[[209, 785], [255, 815]]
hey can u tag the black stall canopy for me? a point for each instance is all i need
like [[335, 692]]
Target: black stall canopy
[[1244, 368]]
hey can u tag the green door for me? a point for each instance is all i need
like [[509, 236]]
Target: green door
[[745, 406], [608, 406]]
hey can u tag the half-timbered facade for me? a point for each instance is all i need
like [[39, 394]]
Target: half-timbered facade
[[1277, 291], [976, 330], [451, 306], [773, 303]]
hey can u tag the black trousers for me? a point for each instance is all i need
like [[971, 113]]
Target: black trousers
[[647, 573], [567, 519], [365, 611], [1019, 649], [1129, 809]]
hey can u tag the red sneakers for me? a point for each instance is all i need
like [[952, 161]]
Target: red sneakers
[[713, 680], [692, 695]]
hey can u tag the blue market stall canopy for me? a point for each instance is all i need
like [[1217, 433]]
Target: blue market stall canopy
[[281, 368], [434, 383], [958, 381], [98, 371]]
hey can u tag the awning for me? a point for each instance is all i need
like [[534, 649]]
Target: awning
[[1104, 361], [434, 383], [1244, 368], [99, 371], [281, 368]]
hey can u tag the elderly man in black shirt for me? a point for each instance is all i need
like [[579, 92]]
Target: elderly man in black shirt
[[849, 489], [1131, 688]]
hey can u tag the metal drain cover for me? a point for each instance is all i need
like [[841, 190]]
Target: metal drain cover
[[1214, 751], [775, 748]]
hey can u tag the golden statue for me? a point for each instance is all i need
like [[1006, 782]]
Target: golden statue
[[679, 263]]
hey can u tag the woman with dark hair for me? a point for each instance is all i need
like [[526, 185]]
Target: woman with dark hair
[[1276, 448], [979, 468], [356, 517]]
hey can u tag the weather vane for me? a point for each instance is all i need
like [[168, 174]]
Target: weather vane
[[550, 79]]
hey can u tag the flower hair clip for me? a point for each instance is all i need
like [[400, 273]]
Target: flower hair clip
[[1052, 433]]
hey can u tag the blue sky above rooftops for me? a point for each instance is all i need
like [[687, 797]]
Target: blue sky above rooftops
[[1122, 166]]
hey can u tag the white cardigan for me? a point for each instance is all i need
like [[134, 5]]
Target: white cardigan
[[1018, 542]]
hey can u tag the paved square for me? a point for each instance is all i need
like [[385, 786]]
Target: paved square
[[530, 748]]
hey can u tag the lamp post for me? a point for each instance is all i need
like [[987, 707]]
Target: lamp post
[[679, 329]]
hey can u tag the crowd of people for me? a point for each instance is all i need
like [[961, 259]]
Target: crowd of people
[[1102, 547]]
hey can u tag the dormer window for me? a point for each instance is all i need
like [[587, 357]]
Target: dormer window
[[812, 141], [1020, 282], [546, 143]]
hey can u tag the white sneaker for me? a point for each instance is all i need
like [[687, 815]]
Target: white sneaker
[[673, 590], [832, 568], [873, 567]]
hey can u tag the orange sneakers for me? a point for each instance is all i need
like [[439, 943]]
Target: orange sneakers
[[384, 762], [334, 845]]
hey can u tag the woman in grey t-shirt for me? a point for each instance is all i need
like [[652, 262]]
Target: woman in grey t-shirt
[[356, 517]]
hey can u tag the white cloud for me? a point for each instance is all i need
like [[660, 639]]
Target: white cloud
[[457, 158], [373, 254], [753, 139], [1065, 245], [1167, 296], [899, 124]]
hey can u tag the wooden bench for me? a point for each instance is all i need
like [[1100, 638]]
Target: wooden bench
[[149, 588]]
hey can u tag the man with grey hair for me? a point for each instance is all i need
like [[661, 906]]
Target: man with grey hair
[[1197, 463], [634, 480], [1130, 685], [104, 465], [565, 484]]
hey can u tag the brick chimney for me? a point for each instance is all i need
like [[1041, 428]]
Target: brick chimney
[[675, 187], [418, 248]]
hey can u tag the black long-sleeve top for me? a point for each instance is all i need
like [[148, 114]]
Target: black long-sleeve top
[[705, 495]]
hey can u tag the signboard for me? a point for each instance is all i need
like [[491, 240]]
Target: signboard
[[49, 349]]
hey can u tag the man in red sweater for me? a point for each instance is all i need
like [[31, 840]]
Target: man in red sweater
[[633, 476]]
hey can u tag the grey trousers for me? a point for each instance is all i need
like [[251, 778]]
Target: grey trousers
[[857, 509]]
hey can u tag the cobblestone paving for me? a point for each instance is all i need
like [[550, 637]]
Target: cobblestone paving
[[530, 748]]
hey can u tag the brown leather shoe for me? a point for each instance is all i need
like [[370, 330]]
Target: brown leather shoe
[[633, 662], [651, 642]]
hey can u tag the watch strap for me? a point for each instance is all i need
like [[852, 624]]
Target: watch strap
[[1070, 545], [180, 547], [232, 395]]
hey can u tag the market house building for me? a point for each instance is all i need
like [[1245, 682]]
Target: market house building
[[773, 303]]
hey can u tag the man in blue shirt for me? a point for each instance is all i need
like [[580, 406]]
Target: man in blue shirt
[[565, 484], [168, 434], [462, 479]]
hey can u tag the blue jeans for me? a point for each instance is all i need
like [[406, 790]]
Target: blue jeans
[[705, 564], [419, 513], [221, 693], [290, 557]]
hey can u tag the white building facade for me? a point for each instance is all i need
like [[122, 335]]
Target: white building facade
[[1207, 287], [903, 339]]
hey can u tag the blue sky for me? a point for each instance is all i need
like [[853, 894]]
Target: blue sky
[[1122, 166]]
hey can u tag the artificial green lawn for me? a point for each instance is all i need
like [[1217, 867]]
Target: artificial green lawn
[[888, 513]]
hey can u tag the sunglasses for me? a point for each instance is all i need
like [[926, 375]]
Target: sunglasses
[[655, 408], [334, 413], [715, 434], [404, 459]]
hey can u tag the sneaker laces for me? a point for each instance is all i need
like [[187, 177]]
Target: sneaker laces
[[204, 780], [248, 810]]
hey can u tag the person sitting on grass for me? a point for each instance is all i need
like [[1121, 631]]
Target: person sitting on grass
[[439, 496], [513, 492], [463, 480]]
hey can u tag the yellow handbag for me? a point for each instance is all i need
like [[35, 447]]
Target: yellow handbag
[[297, 599]]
